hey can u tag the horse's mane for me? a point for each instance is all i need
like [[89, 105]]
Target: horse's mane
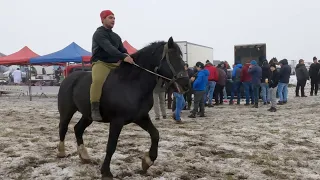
[[145, 58]]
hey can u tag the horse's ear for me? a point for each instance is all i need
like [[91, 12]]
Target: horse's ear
[[170, 43]]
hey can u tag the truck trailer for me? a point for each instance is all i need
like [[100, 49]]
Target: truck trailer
[[192, 53], [248, 52]]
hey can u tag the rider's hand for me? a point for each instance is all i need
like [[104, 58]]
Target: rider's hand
[[129, 59]]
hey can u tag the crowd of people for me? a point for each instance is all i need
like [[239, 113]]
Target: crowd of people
[[208, 83]]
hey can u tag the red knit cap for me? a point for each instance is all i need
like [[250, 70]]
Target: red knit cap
[[105, 14]]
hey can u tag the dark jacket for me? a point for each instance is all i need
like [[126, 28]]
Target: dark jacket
[[256, 74], [273, 79], [107, 46], [214, 74], [245, 76], [190, 72], [302, 72], [285, 72], [222, 77], [265, 71], [314, 70]]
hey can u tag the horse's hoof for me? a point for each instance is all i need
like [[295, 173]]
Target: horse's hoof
[[146, 162], [61, 150], [83, 154], [61, 154]]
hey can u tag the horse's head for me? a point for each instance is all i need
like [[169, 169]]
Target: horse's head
[[172, 66], [273, 60]]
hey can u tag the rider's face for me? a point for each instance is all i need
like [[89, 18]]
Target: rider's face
[[109, 21]]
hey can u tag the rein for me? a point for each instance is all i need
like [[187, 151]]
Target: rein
[[152, 72], [165, 55]]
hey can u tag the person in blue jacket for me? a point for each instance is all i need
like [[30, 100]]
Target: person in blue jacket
[[256, 72], [199, 88], [236, 83]]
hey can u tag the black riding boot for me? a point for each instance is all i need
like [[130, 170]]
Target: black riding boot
[[95, 111]]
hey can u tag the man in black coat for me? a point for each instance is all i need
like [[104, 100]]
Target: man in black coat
[[284, 76], [273, 83], [302, 77], [314, 76], [188, 95]]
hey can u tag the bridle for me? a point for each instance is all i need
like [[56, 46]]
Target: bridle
[[176, 76]]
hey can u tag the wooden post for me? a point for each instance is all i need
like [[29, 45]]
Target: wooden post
[[30, 94]]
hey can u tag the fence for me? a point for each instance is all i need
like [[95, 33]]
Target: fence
[[41, 91]]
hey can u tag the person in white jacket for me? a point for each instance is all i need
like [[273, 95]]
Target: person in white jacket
[[17, 76]]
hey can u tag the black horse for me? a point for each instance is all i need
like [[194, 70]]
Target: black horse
[[126, 98]]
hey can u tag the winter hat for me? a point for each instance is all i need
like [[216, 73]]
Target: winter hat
[[105, 14], [253, 62], [200, 65], [300, 60]]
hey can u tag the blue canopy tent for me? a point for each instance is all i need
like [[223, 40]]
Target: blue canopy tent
[[72, 53]]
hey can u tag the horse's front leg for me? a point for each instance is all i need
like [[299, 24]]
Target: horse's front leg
[[114, 132], [149, 157]]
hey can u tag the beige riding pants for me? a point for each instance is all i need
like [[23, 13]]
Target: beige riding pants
[[100, 72]]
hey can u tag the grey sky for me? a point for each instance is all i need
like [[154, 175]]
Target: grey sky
[[289, 27]]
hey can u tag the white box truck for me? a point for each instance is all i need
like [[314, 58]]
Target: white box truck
[[192, 53]]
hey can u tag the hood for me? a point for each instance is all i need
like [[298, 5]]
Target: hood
[[284, 62], [205, 72], [238, 66], [265, 63], [220, 65], [300, 65], [208, 64]]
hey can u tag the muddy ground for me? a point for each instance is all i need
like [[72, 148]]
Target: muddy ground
[[232, 142]]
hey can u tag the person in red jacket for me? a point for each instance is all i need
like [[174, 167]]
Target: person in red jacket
[[212, 80], [247, 85]]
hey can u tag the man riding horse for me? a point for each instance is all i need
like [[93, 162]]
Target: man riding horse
[[107, 53], [126, 95]]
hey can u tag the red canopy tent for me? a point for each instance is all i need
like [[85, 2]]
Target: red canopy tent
[[129, 48], [21, 57]]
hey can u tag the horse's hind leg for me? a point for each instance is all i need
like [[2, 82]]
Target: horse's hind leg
[[79, 130], [149, 157], [65, 118]]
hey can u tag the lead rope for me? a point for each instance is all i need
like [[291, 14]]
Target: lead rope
[[177, 86], [151, 72]]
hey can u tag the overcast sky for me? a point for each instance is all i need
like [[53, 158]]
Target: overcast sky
[[290, 28]]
